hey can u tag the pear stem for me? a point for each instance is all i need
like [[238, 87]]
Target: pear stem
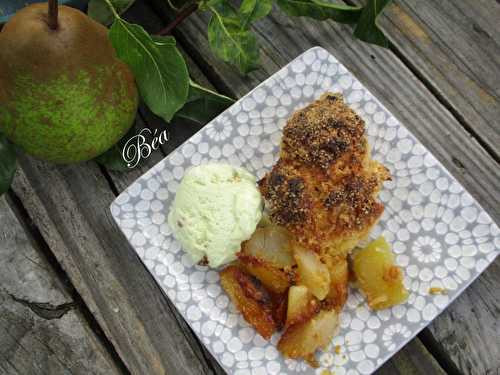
[[53, 13]]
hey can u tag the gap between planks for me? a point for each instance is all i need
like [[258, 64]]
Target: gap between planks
[[438, 352]]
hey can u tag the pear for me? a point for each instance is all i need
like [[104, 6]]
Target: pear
[[64, 95]]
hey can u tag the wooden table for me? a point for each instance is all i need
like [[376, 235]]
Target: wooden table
[[74, 297]]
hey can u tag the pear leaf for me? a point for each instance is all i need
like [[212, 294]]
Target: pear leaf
[[203, 104], [159, 68], [7, 164], [321, 10], [253, 10], [229, 40], [113, 159], [99, 10], [367, 29]]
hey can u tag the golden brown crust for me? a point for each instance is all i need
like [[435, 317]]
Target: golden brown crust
[[324, 187], [324, 134]]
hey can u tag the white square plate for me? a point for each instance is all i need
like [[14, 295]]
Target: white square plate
[[440, 235]]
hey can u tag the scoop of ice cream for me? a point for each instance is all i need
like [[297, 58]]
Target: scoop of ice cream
[[216, 208]]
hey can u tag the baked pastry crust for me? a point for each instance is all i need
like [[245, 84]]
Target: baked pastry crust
[[324, 187]]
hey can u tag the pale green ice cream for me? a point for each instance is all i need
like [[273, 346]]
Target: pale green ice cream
[[216, 208]]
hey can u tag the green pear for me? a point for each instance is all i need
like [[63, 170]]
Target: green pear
[[64, 95]]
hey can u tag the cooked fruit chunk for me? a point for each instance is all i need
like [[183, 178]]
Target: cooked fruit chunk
[[339, 281], [302, 340], [270, 243], [312, 272], [302, 305], [275, 279], [250, 298], [377, 276]]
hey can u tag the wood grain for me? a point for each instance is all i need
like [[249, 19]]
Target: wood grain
[[455, 47], [416, 107], [469, 329], [72, 213], [413, 359], [41, 329]]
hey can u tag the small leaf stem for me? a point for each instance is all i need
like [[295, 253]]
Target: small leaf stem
[[113, 10], [53, 14], [181, 16], [172, 5]]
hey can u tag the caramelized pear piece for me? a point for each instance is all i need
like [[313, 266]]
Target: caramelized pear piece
[[303, 339], [302, 305], [378, 277], [272, 244], [275, 279], [251, 299], [312, 272], [339, 281]]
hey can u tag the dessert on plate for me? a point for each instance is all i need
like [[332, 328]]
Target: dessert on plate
[[290, 270]]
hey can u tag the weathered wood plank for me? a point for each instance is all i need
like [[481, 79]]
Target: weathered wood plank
[[413, 359], [455, 47], [402, 92], [41, 329], [72, 213], [469, 329]]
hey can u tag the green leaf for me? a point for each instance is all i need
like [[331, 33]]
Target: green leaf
[[321, 10], [367, 30], [7, 164], [100, 11], [229, 40], [159, 69], [113, 158], [203, 104], [253, 10]]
